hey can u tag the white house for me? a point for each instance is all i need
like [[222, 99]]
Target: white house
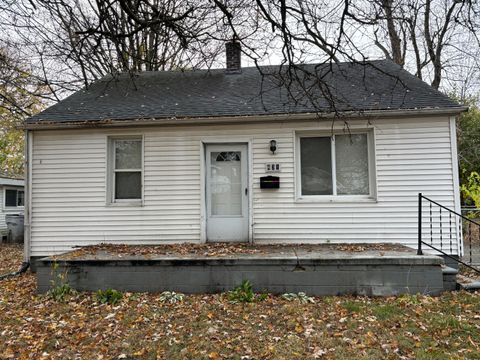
[[166, 157], [11, 200]]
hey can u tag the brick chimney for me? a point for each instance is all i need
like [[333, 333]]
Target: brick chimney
[[234, 57]]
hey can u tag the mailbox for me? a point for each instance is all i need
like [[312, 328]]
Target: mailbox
[[269, 182]]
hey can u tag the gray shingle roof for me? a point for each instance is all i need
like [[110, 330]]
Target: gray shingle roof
[[375, 85]]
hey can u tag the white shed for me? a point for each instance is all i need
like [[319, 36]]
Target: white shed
[[12, 200], [200, 156]]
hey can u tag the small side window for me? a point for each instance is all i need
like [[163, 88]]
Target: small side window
[[14, 198], [126, 169]]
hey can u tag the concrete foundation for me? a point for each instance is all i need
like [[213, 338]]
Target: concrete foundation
[[316, 273]]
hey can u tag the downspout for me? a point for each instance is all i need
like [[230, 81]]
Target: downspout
[[28, 195], [27, 209]]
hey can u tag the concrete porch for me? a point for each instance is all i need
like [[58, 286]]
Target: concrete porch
[[376, 269]]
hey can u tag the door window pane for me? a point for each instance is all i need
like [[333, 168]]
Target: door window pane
[[128, 154], [226, 183], [316, 165], [351, 154], [10, 197], [128, 185]]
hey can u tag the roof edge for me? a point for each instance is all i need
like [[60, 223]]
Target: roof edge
[[11, 181], [107, 123]]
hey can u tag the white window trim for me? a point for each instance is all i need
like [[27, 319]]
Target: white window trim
[[372, 197], [110, 166], [5, 188]]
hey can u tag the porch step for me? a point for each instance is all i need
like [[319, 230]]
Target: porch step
[[468, 283], [473, 286], [449, 278]]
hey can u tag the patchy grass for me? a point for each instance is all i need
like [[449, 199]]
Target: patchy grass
[[385, 312], [143, 326], [351, 306]]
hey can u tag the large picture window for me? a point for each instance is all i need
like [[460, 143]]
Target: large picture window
[[126, 165], [335, 165]]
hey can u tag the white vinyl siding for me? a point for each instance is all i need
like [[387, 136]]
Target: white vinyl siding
[[69, 184]]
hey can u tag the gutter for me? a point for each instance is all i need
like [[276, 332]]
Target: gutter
[[107, 123]]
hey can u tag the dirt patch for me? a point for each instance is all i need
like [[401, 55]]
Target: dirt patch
[[218, 249], [10, 257]]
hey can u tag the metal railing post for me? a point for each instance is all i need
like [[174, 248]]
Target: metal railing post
[[419, 249]]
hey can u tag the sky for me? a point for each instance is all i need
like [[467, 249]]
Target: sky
[[461, 72]]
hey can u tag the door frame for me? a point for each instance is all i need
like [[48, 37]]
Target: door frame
[[224, 140]]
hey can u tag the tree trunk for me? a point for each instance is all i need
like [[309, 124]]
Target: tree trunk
[[395, 41]]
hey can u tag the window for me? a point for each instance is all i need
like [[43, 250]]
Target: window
[[226, 183], [126, 165], [337, 165], [14, 198]]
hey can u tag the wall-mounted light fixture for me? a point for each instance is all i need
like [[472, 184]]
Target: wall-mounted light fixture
[[273, 146]]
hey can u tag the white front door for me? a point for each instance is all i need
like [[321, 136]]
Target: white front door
[[227, 192]]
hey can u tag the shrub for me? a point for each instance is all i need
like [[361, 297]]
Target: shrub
[[60, 287], [471, 190], [408, 299], [109, 296], [301, 296], [60, 292], [171, 297], [244, 294]]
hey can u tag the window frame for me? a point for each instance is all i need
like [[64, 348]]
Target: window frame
[[110, 166], [8, 207], [371, 197]]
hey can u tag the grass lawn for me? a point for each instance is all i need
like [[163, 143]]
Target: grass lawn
[[142, 326]]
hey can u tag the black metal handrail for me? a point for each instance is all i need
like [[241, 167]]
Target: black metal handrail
[[451, 213]]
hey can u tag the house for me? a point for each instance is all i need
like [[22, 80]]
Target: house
[[226, 155], [11, 199]]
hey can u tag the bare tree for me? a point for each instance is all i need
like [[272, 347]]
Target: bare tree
[[75, 42], [20, 96], [20, 93], [428, 32]]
